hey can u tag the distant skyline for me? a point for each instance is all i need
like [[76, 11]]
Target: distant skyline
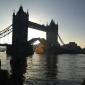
[[69, 14]]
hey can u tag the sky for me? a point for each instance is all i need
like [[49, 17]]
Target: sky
[[69, 14]]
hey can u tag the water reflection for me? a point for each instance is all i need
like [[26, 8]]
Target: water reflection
[[51, 66], [18, 68], [66, 68], [71, 67], [36, 67], [41, 67]]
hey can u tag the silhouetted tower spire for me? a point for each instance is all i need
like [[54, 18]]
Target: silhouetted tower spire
[[52, 23], [20, 27]]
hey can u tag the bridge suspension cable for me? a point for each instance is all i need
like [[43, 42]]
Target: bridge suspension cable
[[5, 31], [60, 39]]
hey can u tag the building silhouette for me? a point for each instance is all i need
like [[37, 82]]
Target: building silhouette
[[20, 28]]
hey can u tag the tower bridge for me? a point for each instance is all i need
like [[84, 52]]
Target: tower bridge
[[19, 29]]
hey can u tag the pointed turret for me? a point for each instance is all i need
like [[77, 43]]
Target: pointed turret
[[14, 13], [52, 23], [27, 13]]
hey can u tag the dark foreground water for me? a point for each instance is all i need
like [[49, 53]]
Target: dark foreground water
[[50, 69]]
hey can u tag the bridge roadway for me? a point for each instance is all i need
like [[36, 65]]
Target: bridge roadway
[[37, 26], [40, 27]]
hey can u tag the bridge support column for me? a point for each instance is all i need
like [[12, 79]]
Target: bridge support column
[[52, 38]]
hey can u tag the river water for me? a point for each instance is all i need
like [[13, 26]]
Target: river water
[[66, 69]]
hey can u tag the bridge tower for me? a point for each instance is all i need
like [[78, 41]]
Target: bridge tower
[[20, 34], [52, 33], [20, 28]]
